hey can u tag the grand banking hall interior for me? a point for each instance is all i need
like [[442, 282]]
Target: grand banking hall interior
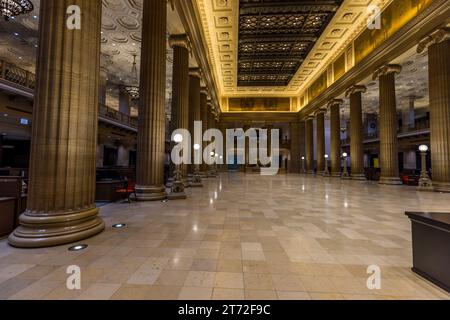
[[355, 97]]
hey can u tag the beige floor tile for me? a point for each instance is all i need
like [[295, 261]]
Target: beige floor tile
[[258, 281], [228, 294], [203, 279], [264, 295], [195, 293], [99, 291], [229, 280], [283, 282], [293, 295], [172, 278]]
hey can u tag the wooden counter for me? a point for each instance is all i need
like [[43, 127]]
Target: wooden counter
[[7, 216], [431, 247]]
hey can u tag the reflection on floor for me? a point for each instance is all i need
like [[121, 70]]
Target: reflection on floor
[[240, 237]]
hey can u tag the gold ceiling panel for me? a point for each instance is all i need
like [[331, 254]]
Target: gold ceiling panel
[[220, 22]]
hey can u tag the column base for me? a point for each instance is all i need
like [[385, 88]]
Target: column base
[[336, 174], [196, 181], [359, 177], [54, 229], [441, 186], [311, 172], [151, 193], [392, 181]]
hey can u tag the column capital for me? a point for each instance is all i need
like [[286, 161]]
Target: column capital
[[195, 72], [355, 89], [179, 40], [320, 111], [387, 69], [335, 102], [437, 36], [310, 117]]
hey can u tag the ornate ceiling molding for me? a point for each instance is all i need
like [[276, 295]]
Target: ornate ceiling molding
[[220, 21]]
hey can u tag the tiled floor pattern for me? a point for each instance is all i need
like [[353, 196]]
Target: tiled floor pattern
[[240, 237]]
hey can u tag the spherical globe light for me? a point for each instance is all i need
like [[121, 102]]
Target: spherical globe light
[[326, 156], [423, 148], [196, 147], [178, 138], [345, 154]]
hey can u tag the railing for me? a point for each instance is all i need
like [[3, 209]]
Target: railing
[[16, 75], [117, 116], [418, 128]]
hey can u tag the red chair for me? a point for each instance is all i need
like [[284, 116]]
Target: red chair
[[128, 189]]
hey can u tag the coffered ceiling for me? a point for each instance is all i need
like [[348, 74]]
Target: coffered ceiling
[[275, 37], [121, 40], [241, 40]]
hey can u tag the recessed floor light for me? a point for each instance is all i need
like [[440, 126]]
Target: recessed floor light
[[78, 247], [119, 225]]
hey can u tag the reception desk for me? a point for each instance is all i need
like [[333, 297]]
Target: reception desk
[[7, 216], [431, 247], [107, 190]]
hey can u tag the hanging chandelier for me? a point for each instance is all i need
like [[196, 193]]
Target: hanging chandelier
[[133, 89], [12, 8]]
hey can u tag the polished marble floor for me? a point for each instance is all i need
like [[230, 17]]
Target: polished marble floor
[[240, 237]]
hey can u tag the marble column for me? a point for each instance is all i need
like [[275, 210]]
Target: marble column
[[335, 137], [438, 44], [124, 101], [180, 85], [309, 144], [296, 154], [103, 80], [320, 136], [388, 125], [356, 132], [204, 118], [194, 116], [152, 114], [61, 201]]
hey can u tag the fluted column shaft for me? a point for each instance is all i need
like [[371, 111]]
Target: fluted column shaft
[[204, 118], [180, 86], [152, 113], [356, 136], [320, 118], [296, 154], [335, 139], [61, 200], [194, 107], [309, 145], [439, 75], [388, 130]]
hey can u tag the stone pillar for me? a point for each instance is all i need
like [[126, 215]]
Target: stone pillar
[[388, 125], [152, 113], [124, 101], [204, 117], [296, 154], [356, 132], [320, 134], [61, 201], [103, 80], [194, 116], [438, 44], [180, 86], [335, 137], [309, 144]]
